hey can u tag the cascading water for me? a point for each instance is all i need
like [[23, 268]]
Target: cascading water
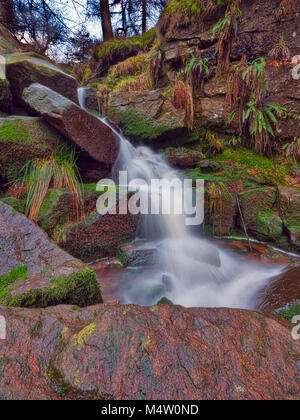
[[186, 269]]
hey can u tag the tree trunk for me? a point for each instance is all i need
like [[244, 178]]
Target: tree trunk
[[106, 20], [144, 18], [6, 13]]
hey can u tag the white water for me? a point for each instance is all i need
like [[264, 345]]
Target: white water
[[188, 270]]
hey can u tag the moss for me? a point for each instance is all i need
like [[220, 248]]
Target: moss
[[16, 203], [290, 312], [124, 45], [132, 66], [81, 289], [16, 274], [14, 131], [273, 171], [137, 127]]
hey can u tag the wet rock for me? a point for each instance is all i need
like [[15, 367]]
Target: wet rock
[[94, 353], [98, 236], [24, 69], [260, 214], [183, 157], [84, 129], [145, 115], [280, 292]]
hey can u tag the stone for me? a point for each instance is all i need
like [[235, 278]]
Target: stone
[[114, 352], [24, 69], [289, 199], [98, 236], [79, 126]]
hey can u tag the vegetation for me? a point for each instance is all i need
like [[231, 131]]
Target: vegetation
[[290, 312], [16, 274], [227, 29], [58, 171]]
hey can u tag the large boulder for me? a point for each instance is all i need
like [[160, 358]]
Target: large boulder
[[23, 139], [79, 126], [113, 352], [183, 29], [51, 275], [146, 115], [23, 69]]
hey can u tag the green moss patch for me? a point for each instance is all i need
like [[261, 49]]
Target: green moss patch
[[81, 289], [17, 274], [22, 140]]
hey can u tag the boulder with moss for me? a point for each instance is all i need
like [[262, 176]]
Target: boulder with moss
[[19, 289], [260, 213], [23, 69], [23, 139], [98, 236], [79, 126]]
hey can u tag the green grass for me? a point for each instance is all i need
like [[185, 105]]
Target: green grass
[[290, 312], [134, 125], [142, 43]]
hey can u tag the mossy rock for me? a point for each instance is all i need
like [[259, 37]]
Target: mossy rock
[[6, 104], [22, 140], [98, 236], [80, 289], [24, 69], [269, 225]]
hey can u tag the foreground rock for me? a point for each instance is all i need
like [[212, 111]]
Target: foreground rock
[[23, 69], [52, 276], [113, 352], [85, 130]]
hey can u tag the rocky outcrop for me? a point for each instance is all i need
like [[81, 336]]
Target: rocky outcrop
[[24, 69], [113, 352], [84, 129], [52, 275]]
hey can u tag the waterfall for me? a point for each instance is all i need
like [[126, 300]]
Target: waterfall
[[188, 270]]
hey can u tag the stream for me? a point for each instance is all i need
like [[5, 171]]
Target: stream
[[181, 265]]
